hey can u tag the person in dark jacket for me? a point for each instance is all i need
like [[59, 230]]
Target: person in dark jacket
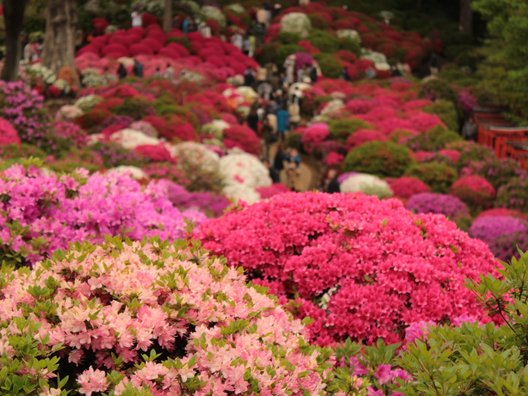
[[331, 184], [280, 157], [121, 71], [138, 69], [273, 173], [253, 118]]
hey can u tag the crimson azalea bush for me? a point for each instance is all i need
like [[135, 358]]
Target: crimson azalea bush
[[147, 318], [41, 212], [405, 186], [379, 158], [474, 190], [359, 267], [242, 137], [8, 134]]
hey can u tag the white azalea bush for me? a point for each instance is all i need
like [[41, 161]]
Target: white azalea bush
[[130, 139], [350, 34], [367, 184], [215, 13], [243, 173], [88, 102], [133, 171], [296, 23], [200, 166], [379, 59]]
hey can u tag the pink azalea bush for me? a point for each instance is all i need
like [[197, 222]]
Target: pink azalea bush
[[8, 134], [149, 318], [359, 267], [474, 190], [42, 212]]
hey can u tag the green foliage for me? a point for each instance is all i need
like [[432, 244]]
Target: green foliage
[[294, 140], [504, 72], [477, 359], [324, 41], [289, 38], [470, 152], [15, 151], [341, 129], [347, 44], [330, 65], [379, 158], [434, 139], [513, 195], [439, 89], [317, 21], [446, 111], [134, 107], [436, 175], [276, 53]]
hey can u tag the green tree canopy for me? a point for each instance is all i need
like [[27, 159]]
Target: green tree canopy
[[504, 71]]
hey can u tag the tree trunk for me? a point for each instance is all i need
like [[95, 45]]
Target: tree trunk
[[13, 19], [59, 42], [167, 16], [466, 17]]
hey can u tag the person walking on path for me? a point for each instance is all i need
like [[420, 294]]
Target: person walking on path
[[138, 69], [121, 71], [283, 119], [253, 118], [292, 166]]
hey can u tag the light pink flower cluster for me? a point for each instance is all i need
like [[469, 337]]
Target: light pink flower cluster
[[168, 319], [41, 212], [360, 267]]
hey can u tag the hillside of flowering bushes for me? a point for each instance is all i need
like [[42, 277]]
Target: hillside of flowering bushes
[[146, 247]]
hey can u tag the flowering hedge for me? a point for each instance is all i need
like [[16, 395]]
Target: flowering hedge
[[147, 318], [359, 267], [367, 184], [41, 212], [503, 234], [379, 158]]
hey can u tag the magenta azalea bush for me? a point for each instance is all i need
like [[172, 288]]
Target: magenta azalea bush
[[23, 108], [359, 267], [445, 204], [147, 318], [41, 212], [503, 234], [8, 134]]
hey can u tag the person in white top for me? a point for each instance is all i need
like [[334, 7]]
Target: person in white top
[[137, 19]]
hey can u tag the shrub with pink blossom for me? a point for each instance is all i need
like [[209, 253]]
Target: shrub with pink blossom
[[358, 266], [314, 135], [475, 191], [448, 205], [8, 134], [71, 132], [406, 186], [148, 318], [23, 108], [41, 212], [503, 234], [513, 194]]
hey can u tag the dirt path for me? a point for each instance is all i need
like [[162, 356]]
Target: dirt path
[[309, 177]]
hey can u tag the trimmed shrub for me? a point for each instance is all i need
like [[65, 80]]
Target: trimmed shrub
[[476, 191], [330, 65], [379, 158], [405, 187], [341, 129], [436, 175], [513, 195], [434, 139], [352, 263], [447, 112]]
